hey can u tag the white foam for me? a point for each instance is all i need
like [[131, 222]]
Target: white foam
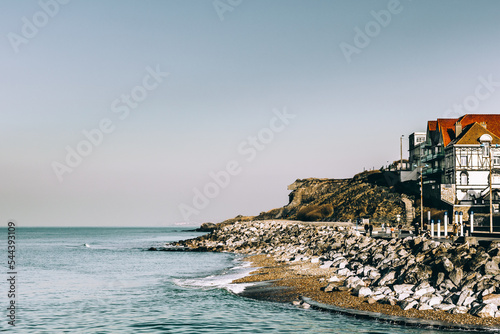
[[222, 281]]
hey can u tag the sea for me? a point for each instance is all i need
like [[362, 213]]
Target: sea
[[103, 280]]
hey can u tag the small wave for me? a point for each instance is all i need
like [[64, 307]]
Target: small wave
[[212, 282], [221, 281], [86, 245]]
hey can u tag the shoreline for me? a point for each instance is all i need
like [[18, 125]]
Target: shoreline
[[412, 277], [303, 281]]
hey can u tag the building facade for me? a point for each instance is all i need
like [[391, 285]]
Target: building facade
[[455, 159]]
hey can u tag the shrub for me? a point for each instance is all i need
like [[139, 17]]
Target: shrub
[[314, 212]]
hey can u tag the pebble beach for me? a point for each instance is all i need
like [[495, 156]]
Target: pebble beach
[[410, 278]]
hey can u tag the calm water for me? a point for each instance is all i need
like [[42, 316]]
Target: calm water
[[100, 280]]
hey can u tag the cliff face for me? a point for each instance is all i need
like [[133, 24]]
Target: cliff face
[[366, 195]]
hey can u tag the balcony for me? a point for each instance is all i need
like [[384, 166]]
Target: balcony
[[430, 157], [430, 171]]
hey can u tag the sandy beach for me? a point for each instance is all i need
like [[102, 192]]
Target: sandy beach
[[288, 282]]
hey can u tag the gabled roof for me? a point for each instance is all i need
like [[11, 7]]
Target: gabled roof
[[447, 128], [470, 135], [443, 129], [431, 125], [492, 121]]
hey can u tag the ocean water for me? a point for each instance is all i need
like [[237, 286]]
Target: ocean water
[[101, 280]]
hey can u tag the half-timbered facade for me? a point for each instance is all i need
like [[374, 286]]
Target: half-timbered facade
[[456, 157]]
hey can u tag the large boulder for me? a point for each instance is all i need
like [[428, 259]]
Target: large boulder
[[492, 299], [456, 276], [484, 310], [491, 268]]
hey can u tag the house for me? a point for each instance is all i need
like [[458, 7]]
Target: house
[[456, 157], [416, 143]]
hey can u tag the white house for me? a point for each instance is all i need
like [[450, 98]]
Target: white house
[[456, 156]]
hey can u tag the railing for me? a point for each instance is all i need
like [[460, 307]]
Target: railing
[[434, 156]]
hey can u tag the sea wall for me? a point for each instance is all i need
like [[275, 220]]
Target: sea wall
[[414, 272]]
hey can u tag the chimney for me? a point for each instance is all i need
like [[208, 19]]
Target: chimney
[[484, 125], [458, 129]]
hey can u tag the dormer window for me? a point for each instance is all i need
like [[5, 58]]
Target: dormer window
[[486, 140]]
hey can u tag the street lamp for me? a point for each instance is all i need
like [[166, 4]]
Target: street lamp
[[486, 140], [401, 152], [421, 196]]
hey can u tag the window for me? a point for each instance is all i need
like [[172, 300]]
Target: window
[[496, 160], [463, 161], [486, 150], [464, 179]]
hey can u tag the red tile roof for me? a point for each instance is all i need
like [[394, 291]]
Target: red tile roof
[[446, 126], [471, 134]]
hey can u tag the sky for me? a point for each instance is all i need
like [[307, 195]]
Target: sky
[[167, 113]]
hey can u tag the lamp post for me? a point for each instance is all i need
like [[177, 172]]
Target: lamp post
[[401, 152], [491, 195], [421, 196], [486, 140]]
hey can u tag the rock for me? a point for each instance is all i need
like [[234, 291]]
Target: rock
[[435, 300], [387, 279], [388, 300], [296, 303], [424, 307], [424, 291], [371, 300], [448, 265], [484, 310], [444, 307], [363, 292], [448, 285], [459, 310], [456, 276], [377, 297], [403, 288], [402, 296], [440, 278], [206, 227], [463, 296], [408, 304], [492, 299], [353, 282], [373, 275], [491, 268], [306, 306], [330, 287], [468, 301], [334, 279], [315, 260], [344, 272], [326, 265]]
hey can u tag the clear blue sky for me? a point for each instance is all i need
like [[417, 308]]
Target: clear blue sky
[[68, 67]]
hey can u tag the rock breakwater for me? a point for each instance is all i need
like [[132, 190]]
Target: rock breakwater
[[414, 273]]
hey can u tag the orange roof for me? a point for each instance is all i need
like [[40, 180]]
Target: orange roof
[[492, 121], [446, 126], [471, 134]]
